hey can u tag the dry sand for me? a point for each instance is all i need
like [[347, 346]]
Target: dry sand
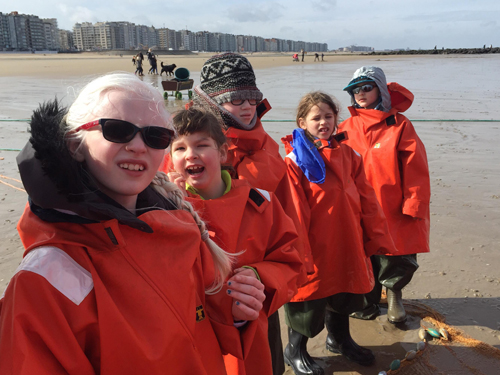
[[459, 278]]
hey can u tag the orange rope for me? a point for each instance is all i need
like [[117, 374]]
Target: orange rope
[[12, 186]]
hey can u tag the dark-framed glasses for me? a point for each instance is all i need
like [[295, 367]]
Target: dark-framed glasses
[[239, 102], [120, 131]]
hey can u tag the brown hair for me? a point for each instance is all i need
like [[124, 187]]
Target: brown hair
[[194, 120], [314, 98]]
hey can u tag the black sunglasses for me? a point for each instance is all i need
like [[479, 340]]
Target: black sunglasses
[[239, 102], [119, 131], [365, 88]]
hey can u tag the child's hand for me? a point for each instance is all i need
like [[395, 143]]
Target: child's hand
[[247, 293], [180, 181]]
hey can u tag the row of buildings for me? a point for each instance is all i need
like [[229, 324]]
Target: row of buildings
[[127, 35], [28, 33], [23, 32]]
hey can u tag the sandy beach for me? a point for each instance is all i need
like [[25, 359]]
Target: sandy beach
[[459, 278]]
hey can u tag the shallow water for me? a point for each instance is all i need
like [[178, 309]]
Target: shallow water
[[461, 271]]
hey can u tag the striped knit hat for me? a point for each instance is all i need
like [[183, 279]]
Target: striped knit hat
[[227, 77]]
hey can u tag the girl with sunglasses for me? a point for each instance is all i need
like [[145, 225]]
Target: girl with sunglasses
[[344, 225], [395, 162], [112, 279], [249, 222], [228, 89]]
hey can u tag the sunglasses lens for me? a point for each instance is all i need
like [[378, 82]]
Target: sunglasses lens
[[157, 137], [367, 88], [118, 131], [237, 102], [252, 101]]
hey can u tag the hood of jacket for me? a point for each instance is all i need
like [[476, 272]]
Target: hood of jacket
[[59, 187], [401, 99], [367, 74]]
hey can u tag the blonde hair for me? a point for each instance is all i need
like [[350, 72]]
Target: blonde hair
[[89, 100]]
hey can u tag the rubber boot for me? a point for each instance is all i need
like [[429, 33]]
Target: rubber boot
[[339, 340], [395, 310], [296, 355], [369, 313]]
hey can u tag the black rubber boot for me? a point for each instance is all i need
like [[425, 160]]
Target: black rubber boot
[[296, 355], [395, 310], [339, 340]]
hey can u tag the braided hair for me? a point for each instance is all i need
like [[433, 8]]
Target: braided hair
[[222, 260]]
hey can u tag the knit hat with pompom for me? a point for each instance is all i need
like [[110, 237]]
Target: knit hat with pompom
[[228, 77]]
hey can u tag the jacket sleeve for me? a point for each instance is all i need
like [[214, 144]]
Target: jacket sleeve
[[287, 196], [232, 340], [376, 236], [260, 168], [43, 332], [281, 267], [415, 173], [302, 211]]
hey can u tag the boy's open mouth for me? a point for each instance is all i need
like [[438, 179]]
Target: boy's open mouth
[[194, 170]]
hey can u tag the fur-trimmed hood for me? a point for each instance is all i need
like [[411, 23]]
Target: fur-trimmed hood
[[59, 187]]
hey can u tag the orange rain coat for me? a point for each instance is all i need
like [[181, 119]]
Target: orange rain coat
[[344, 222], [396, 165], [256, 158], [107, 298], [253, 221]]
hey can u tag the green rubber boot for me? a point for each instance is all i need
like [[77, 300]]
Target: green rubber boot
[[395, 310]]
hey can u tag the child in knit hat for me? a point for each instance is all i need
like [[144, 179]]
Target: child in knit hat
[[228, 89]]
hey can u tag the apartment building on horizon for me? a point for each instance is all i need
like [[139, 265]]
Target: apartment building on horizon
[[21, 32]]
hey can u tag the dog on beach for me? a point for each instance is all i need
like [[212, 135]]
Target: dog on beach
[[168, 69]]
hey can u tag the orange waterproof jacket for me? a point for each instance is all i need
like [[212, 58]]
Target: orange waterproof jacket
[[105, 298], [396, 165], [344, 222], [256, 158], [253, 221]]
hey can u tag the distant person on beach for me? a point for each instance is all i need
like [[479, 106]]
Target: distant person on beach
[[151, 59], [243, 219], [118, 267], [316, 57], [395, 162], [228, 89], [139, 59], [154, 65], [322, 56], [345, 225], [302, 51]]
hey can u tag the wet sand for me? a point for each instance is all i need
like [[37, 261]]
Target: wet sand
[[460, 277]]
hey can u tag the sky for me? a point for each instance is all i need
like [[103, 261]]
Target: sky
[[381, 24]]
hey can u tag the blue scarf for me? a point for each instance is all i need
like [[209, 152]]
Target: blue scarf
[[308, 158]]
